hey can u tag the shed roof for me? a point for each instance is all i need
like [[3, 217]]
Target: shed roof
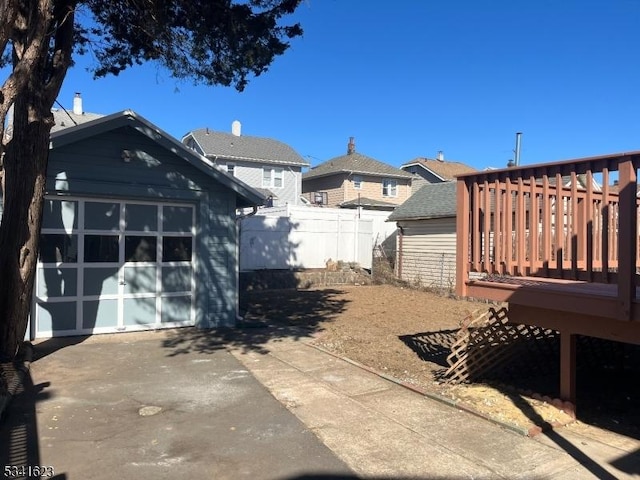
[[435, 200], [245, 147], [355, 163], [246, 196]]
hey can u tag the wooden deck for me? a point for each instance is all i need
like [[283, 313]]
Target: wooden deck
[[559, 243]]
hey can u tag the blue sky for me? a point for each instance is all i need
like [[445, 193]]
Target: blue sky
[[412, 77]]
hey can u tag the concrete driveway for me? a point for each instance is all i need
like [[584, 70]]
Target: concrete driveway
[[129, 406]]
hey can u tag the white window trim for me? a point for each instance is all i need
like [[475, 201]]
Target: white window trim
[[357, 182], [391, 186], [272, 177]]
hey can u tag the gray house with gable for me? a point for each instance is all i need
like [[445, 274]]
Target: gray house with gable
[[270, 166]]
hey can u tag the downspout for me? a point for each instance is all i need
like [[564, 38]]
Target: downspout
[[297, 195], [239, 219]]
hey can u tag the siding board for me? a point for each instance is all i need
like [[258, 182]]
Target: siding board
[[429, 252]]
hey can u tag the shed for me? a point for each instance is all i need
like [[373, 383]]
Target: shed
[[426, 240], [139, 232]]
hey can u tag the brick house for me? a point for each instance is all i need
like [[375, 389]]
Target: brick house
[[355, 180]]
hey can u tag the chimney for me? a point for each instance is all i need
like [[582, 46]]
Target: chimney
[[351, 146], [236, 128], [440, 156], [77, 104]]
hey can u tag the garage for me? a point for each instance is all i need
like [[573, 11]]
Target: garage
[[140, 244]]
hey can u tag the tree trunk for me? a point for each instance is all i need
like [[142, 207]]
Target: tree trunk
[[42, 41], [25, 167]]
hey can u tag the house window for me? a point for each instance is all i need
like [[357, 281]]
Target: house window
[[272, 177], [389, 188], [231, 169], [357, 182], [320, 198]]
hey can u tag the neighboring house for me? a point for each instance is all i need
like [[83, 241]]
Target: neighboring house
[[139, 232], [427, 170], [355, 180], [70, 118], [426, 240], [270, 166]]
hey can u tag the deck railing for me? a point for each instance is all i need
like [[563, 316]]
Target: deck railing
[[573, 220]]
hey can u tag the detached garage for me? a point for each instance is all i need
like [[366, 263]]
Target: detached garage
[[139, 232], [426, 239]]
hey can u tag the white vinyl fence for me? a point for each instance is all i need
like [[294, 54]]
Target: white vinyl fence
[[307, 237]]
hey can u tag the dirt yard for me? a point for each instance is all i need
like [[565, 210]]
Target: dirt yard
[[381, 327]]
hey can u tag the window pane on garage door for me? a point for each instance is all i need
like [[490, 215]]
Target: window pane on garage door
[[176, 309], [56, 316], [101, 216], [177, 219], [57, 282], [141, 218]]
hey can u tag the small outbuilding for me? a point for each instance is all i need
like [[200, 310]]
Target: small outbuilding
[[139, 232], [426, 239]]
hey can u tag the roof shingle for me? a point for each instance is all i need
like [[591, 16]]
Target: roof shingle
[[442, 168], [435, 200], [355, 163], [244, 147]]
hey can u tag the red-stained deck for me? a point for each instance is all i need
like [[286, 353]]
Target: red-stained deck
[[559, 243]]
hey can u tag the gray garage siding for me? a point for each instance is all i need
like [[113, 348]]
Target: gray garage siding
[[94, 167]]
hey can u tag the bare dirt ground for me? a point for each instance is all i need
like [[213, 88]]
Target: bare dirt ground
[[381, 327]]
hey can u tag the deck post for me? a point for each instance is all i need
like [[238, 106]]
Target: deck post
[[627, 227], [568, 366], [462, 235]]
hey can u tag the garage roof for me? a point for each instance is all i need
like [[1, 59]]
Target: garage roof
[[246, 196]]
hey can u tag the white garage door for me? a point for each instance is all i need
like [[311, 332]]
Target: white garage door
[[109, 266]]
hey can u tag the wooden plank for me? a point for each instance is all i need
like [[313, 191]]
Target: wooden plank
[[534, 227], [627, 238], [587, 228], [508, 230], [475, 228], [546, 225], [498, 222], [520, 228], [559, 226], [486, 230], [604, 249], [568, 366], [574, 235], [462, 234]]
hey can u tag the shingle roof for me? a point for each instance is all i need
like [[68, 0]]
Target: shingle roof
[[246, 196], [66, 118], [367, 202], [442, 168], [436, 200], [244, 147], [355, 163]]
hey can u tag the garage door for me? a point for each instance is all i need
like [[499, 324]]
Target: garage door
[[107, 266]]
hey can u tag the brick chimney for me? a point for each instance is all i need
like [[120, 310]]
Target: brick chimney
[[351, 146]]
